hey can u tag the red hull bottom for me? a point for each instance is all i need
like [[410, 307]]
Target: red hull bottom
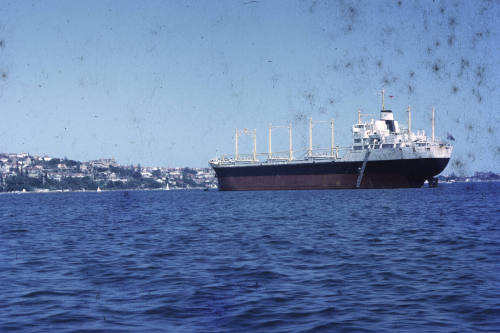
[[316, 182]]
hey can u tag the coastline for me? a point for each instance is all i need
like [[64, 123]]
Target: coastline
[[113, 190], [441, 183]]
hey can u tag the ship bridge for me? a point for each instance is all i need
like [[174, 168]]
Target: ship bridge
[[384, 139], [387, 133], [373, 134]]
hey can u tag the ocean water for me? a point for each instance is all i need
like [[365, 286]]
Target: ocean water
[[416, 260]]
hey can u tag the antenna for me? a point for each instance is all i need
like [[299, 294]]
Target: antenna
[[362, 115]]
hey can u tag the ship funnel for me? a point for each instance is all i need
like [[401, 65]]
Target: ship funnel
[[386, 115]]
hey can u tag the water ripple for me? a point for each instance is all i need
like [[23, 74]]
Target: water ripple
[[291, 261]]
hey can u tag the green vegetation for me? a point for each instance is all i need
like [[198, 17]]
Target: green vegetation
[[20, 172]]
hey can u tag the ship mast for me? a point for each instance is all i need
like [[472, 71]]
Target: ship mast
[[409, 120], [236, 143], [433, 121], [383, 107], [270, 154], [290, 148], [236, 155], [332, 127], [255, 145], [309, 152]]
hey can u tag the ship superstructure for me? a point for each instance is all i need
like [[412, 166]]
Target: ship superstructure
[[382, 155]]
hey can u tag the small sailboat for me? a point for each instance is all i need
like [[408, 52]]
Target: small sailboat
[[98, 189], [167, 188]]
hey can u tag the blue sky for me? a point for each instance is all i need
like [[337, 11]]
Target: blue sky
[[165, 83]]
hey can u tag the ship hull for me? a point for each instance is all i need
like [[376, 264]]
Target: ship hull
[[402, 173]]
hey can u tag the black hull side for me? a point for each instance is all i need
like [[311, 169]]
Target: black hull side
[[401, 173]]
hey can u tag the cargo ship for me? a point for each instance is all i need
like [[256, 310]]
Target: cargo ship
[[382, 155]]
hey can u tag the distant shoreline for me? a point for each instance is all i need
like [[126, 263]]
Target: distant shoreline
[[202, 189], [113, 190]]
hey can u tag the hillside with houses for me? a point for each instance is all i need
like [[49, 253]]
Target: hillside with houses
[[25, 172]]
